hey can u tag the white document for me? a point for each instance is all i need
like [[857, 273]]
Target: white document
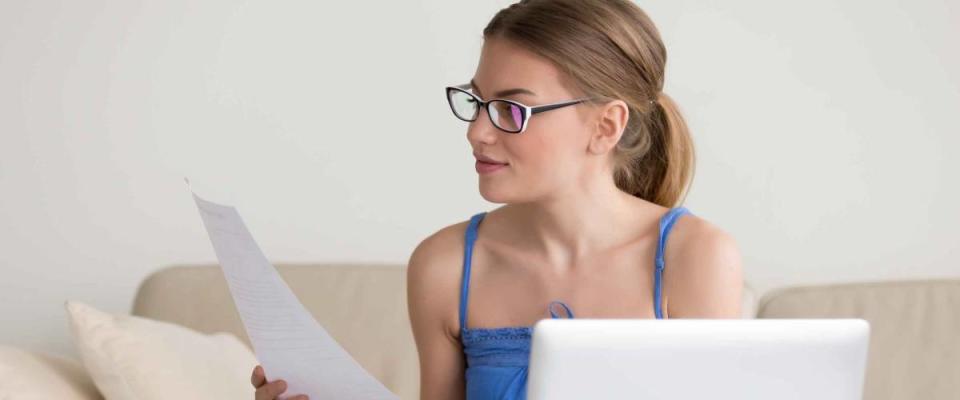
[[289, 343]]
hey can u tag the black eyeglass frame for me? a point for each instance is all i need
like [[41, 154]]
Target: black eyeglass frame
[[526, 111]]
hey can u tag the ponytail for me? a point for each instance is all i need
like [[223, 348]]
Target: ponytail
[[655, 156]]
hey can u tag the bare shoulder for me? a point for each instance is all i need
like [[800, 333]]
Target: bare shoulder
[[703, 272], [434, 271], [433, 299]]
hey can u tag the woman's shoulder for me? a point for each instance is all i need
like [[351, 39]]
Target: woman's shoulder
[[448, 242], [689, 227], [440, 246], [434, 271], [703, 269]]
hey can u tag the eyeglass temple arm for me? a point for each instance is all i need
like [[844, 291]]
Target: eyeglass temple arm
[[548, 107]]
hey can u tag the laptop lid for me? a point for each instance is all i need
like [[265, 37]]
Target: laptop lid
[[686, 359]]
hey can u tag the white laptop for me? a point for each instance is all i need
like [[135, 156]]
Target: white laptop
[[687, 359]]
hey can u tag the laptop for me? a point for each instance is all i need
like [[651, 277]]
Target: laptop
[[687, 359]]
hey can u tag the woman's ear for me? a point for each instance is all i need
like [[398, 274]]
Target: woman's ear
[[612, 119]]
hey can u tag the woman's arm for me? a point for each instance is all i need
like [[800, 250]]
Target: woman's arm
[[433, 295]]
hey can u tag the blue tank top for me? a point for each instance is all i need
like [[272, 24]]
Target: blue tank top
[[497, 358]]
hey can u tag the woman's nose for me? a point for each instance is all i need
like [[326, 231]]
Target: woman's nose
[[481, 130]]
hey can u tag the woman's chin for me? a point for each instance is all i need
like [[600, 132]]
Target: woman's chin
[[495, 194]]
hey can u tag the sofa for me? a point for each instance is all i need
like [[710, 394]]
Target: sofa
[[914, 348]]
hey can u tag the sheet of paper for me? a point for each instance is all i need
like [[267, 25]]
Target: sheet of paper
[[287, 340]]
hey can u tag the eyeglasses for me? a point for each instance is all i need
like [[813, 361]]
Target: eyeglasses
[[507, 115]]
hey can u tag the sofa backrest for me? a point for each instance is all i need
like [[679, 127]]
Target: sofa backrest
[[363, 306], [914, 348]]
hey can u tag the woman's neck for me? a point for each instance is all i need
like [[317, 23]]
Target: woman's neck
[[578, 222]]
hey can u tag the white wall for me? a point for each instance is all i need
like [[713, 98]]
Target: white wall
[[823, 130]]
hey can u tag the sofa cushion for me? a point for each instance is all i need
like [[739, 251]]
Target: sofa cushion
[[914, 342], [134, 358], [26, 375], [362, 306]]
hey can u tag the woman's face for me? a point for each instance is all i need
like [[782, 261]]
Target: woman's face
[[550, 156]]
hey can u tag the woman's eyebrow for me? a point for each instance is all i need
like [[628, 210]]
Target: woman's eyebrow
[[502, 93]]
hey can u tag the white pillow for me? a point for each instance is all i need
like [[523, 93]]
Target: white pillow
[[135, 358], [26, 375]]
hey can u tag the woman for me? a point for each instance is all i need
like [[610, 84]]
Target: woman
[[573, 134], [589, 186]]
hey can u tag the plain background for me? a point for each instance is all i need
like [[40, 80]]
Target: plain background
[[823, 130]]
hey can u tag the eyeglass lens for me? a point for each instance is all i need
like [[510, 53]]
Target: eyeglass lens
[[503, 114]]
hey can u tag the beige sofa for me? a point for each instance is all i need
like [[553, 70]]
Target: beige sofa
[[914, 345]]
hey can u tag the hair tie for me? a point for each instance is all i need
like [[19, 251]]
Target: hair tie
[[656, 97]]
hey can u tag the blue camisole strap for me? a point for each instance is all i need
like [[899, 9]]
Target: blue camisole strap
[[470, 238], [666, 223]]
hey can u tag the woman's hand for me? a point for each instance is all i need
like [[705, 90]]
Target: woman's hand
[[269, 390]]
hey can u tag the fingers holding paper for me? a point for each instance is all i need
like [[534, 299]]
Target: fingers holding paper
[[269, 390]]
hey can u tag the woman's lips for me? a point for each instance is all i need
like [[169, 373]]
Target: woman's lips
[[486, 168]]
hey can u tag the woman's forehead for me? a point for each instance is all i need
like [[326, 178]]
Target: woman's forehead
[[504, 65]]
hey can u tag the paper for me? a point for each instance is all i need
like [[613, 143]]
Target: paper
[[287, 340]]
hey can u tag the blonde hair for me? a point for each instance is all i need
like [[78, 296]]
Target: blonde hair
[[611, 49]]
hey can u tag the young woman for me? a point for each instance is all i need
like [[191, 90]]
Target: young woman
[[572, 133]]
